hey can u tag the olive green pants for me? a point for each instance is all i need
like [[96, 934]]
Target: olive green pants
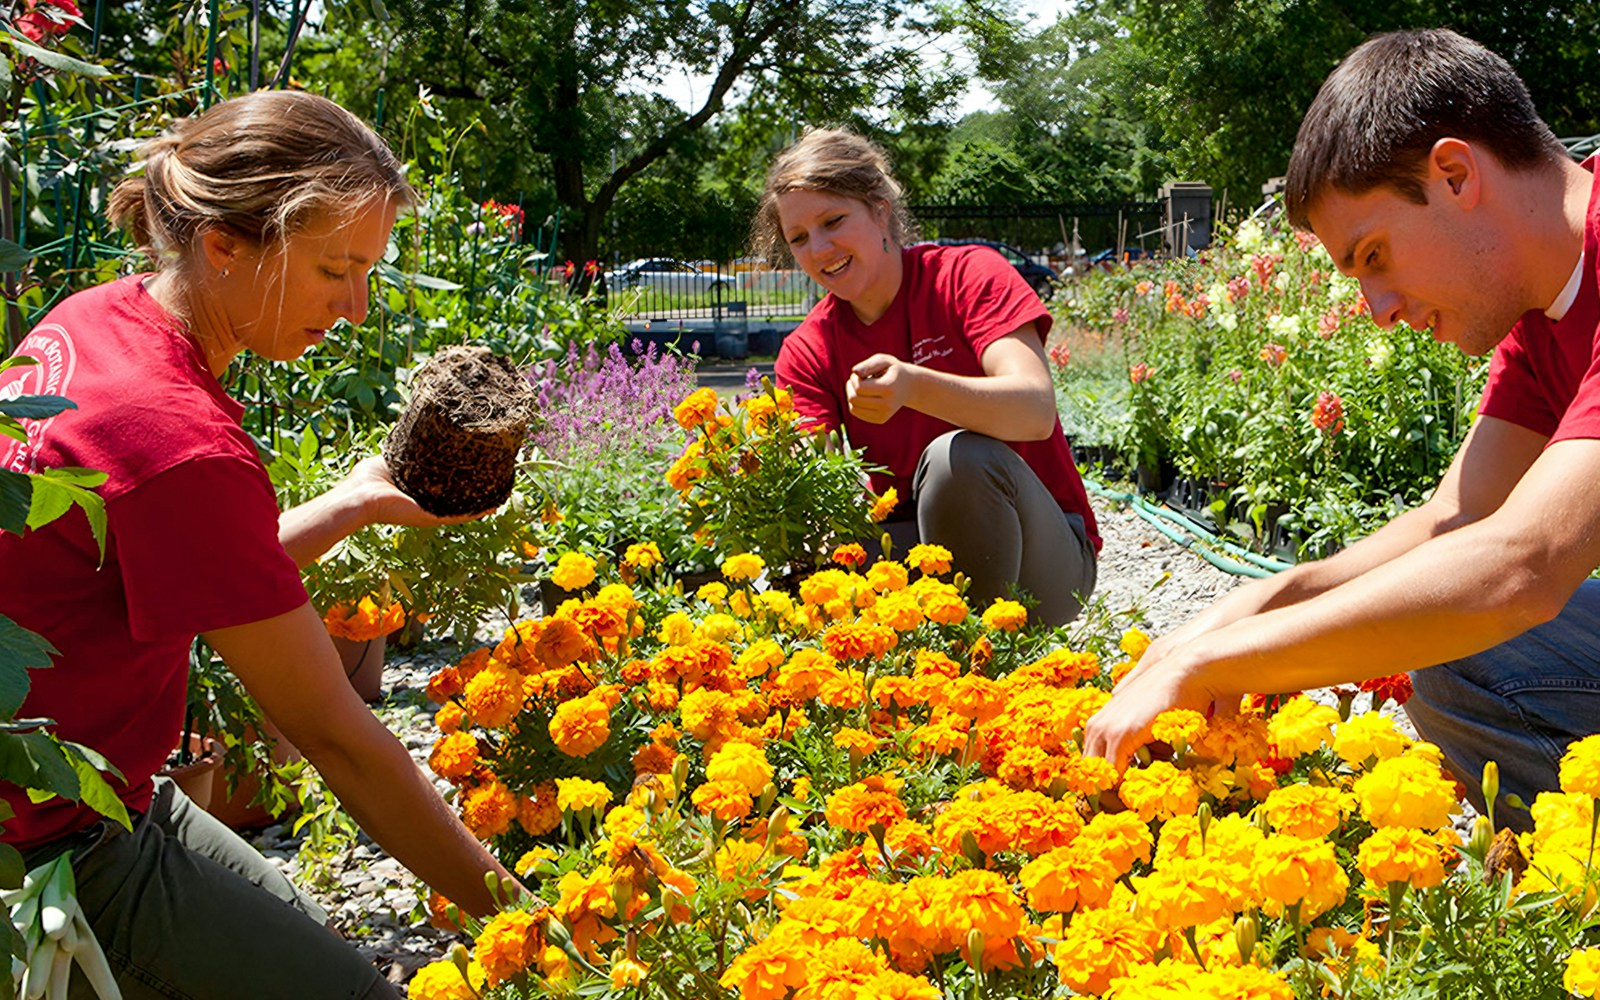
[[185, 908]]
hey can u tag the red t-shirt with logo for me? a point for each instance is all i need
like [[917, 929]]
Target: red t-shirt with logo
[[192, 536], [953, 302]]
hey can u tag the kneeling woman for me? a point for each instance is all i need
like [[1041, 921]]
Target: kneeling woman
[[931, 358], [264, 218]]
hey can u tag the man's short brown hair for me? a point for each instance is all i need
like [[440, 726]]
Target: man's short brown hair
[[1382, 109]]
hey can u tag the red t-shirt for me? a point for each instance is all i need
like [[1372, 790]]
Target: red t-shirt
[[192, 536], [953, 302], [1545, 375]]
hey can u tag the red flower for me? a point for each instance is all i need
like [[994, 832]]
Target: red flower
[[1327, 414], [1139, 373], [1328, 323], [1395, 688], [49, 19], [1061, 355], [1263, 264], [1238, 288], [1274, 354], [591, 268]]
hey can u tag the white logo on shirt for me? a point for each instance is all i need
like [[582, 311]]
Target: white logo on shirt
[[58, 360]]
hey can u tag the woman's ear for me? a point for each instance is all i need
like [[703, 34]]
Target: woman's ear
[[219, 247]]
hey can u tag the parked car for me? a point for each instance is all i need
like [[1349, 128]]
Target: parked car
[[1108, 258], [1040, 278], [663, 274]]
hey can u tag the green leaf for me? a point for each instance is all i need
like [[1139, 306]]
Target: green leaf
[[54, 494], [12, 868], [12, 255], [36, 762], [35, 407], [55, 60], [97, 792], [16, 497], [11, 429], [18, 361], [429, 281]]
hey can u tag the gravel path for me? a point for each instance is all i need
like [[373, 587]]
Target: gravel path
[[380, 906]]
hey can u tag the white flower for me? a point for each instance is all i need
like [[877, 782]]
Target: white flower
[[1282, 327], [1251, 237], [1378, 350]]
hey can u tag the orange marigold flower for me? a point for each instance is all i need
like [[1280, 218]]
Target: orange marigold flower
[[859, 742], [1305, 811], [1289, 870], [695, 409], [726, 800], [1395, 688], [1401, 854], [454, 756], [509, 944], [444, 685], [488, 810], [1159, 791], [450, 717], [886, 575], [850, 554], [1101, 945], [494, 697], [366, 621], [580, 726], [539, 814], [643, 555], [857, 807], [1068, 878], [1179, 727]]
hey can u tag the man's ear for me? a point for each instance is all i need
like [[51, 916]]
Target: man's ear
[[1454, 163]]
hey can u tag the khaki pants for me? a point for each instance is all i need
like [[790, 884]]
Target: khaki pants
[[977, 497], [185, 908]]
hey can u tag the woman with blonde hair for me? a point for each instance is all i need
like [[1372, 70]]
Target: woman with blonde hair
[[931, 358], [264, 217]]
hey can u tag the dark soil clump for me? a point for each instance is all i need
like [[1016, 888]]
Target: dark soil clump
[[454, 449]]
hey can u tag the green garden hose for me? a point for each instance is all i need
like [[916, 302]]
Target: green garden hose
[[1187, 534]]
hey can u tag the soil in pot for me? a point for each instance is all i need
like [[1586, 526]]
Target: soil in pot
[[454, 449], [195, 771]]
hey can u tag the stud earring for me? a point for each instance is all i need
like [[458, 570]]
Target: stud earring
[[223, 273]]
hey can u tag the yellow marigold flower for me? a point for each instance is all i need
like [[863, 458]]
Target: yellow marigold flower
[[580, 726], [574, 571], [1401, 854], [759, 658], [713, 592], [1289, 870], [1159, 791], [627, 972], [720, 627], [1179, 727], [1121, 838], [488, 810], [726, 800], [738, 860], [450, 717], [686, 468], [676, 629], [696, 408], [1580, 768], [494, 696], [643, 555], [1301, 726], [531, 858], [1005, 616], [886, 576], [884, 504], [443, 981], [454, 756], [930, 560], [944, 605], [578, 794], [899, 610], [743, 764], [1406, 791], [858, 741], [1101, 945], [743, 566], [1305, 811], [1134, 643], [1583, 972], [1366, 736]]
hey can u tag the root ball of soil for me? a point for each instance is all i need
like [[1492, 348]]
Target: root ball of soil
[[454, 449]]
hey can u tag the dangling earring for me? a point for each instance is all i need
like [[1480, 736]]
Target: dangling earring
[[886, 245]]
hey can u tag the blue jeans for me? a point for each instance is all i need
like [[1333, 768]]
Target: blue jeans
[[1520, 704]]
